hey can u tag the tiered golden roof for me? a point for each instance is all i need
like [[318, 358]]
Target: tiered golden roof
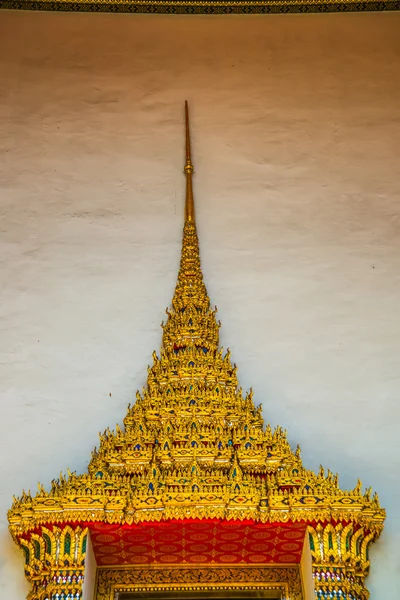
[[194, 445]]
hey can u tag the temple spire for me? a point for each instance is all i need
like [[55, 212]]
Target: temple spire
[[189, 204], [191, 323]]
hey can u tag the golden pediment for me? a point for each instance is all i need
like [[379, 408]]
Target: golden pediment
[[194, 448]]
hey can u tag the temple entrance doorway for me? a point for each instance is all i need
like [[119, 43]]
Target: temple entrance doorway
[[195, 582]]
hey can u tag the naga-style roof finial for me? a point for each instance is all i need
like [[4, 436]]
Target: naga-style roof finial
[[189, 204]]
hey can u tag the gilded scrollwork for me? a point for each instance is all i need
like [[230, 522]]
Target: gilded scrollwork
[[211, 577]]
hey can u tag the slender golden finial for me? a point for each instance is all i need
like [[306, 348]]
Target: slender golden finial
[[189, 204]]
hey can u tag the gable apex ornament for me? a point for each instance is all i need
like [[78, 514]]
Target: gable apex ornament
[[194, 449]]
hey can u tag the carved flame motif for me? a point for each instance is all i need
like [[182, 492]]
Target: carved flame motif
[[194, 446]]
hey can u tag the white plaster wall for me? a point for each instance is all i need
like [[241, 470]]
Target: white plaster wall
[[296, 141]]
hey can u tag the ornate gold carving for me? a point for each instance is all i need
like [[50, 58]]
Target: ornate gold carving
[[195, 446], [208, 577], [205, 6], [55, 561], [340, 556]]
